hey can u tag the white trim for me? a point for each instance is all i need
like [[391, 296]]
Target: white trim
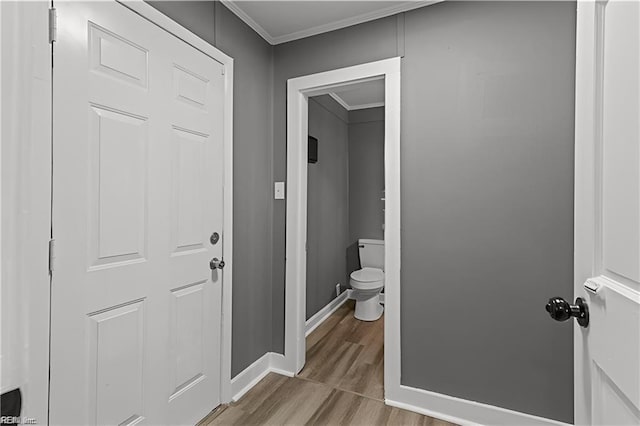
[[25, 197], [153, 15], [298, 91], [348, 107], [251, 376], [365, 106], [163, 21], [466, 412], [237, 10], [586, 155], [324, 313], [336, 25], [339, 100], [227, 229]]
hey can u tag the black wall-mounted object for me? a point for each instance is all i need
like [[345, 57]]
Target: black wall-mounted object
[[313, 150]]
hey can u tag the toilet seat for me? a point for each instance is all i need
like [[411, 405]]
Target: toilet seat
[[367, 278]]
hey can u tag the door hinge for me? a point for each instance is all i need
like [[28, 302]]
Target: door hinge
[[223, 70], [53, 25], [52, 255]]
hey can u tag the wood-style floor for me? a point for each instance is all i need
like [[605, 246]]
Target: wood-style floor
[[341, 383]]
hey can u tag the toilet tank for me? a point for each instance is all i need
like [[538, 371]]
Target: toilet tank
[[371, 253]]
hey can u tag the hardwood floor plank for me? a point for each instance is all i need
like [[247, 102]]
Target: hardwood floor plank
[[302, 399], [329, 324], [372, 412], [341, 383], [339, 409], [365, 379], [333, 365]]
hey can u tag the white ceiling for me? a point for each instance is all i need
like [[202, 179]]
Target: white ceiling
[[283, 20], [360, 95]]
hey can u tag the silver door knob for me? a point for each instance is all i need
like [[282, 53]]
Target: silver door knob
[[216, 264]]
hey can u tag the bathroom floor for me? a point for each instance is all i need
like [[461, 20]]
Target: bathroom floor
[[347, 354], [341, 383]]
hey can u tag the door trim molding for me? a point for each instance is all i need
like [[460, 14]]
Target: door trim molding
[[163, 21], [298, 91], [588, 48], [26, 202]]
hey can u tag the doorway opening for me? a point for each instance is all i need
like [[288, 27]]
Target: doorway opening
[[299, 91], [345, 239]]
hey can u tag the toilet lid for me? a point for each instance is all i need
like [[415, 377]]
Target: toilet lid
[[367, 275]]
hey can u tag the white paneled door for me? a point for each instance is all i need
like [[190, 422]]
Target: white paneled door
[[607, 232], [138, 193]]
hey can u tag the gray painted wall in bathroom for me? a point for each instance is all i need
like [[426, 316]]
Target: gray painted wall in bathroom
[[328, 204], [252, 190], [366, 174], [487, 190]]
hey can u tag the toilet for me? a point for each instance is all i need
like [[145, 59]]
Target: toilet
[[368, 282]]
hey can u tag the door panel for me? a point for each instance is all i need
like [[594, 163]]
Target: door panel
[[116, 339], [620, 77], [116, 56], [607, 229], [188, 202], [138, 187], [118, 187]]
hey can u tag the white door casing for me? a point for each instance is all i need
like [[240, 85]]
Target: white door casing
[[607, 212], [299, 89], [139, 129], [26, 204]]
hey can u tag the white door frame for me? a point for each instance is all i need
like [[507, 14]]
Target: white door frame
[[298, 92], [38, 187], [585, 188], [25, 194], [153, 15]]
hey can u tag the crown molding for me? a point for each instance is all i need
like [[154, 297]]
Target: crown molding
[[339, 100], [332, 26], [233, 7], [365, 106], [348, 107]]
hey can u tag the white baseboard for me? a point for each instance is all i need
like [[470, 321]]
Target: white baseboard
[[278, 365], [270, 362], [324, 313], [461, 411]]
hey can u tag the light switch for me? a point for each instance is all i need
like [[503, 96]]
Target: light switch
[[278, 190]]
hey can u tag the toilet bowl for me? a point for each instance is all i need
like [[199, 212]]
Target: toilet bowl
[[368, 282]]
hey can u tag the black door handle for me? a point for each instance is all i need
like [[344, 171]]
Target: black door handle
[[561, 310]]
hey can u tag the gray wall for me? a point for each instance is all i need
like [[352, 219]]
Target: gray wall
[[487, 212], [487, 189], [366, 174], [252, 153], [328, 204]]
